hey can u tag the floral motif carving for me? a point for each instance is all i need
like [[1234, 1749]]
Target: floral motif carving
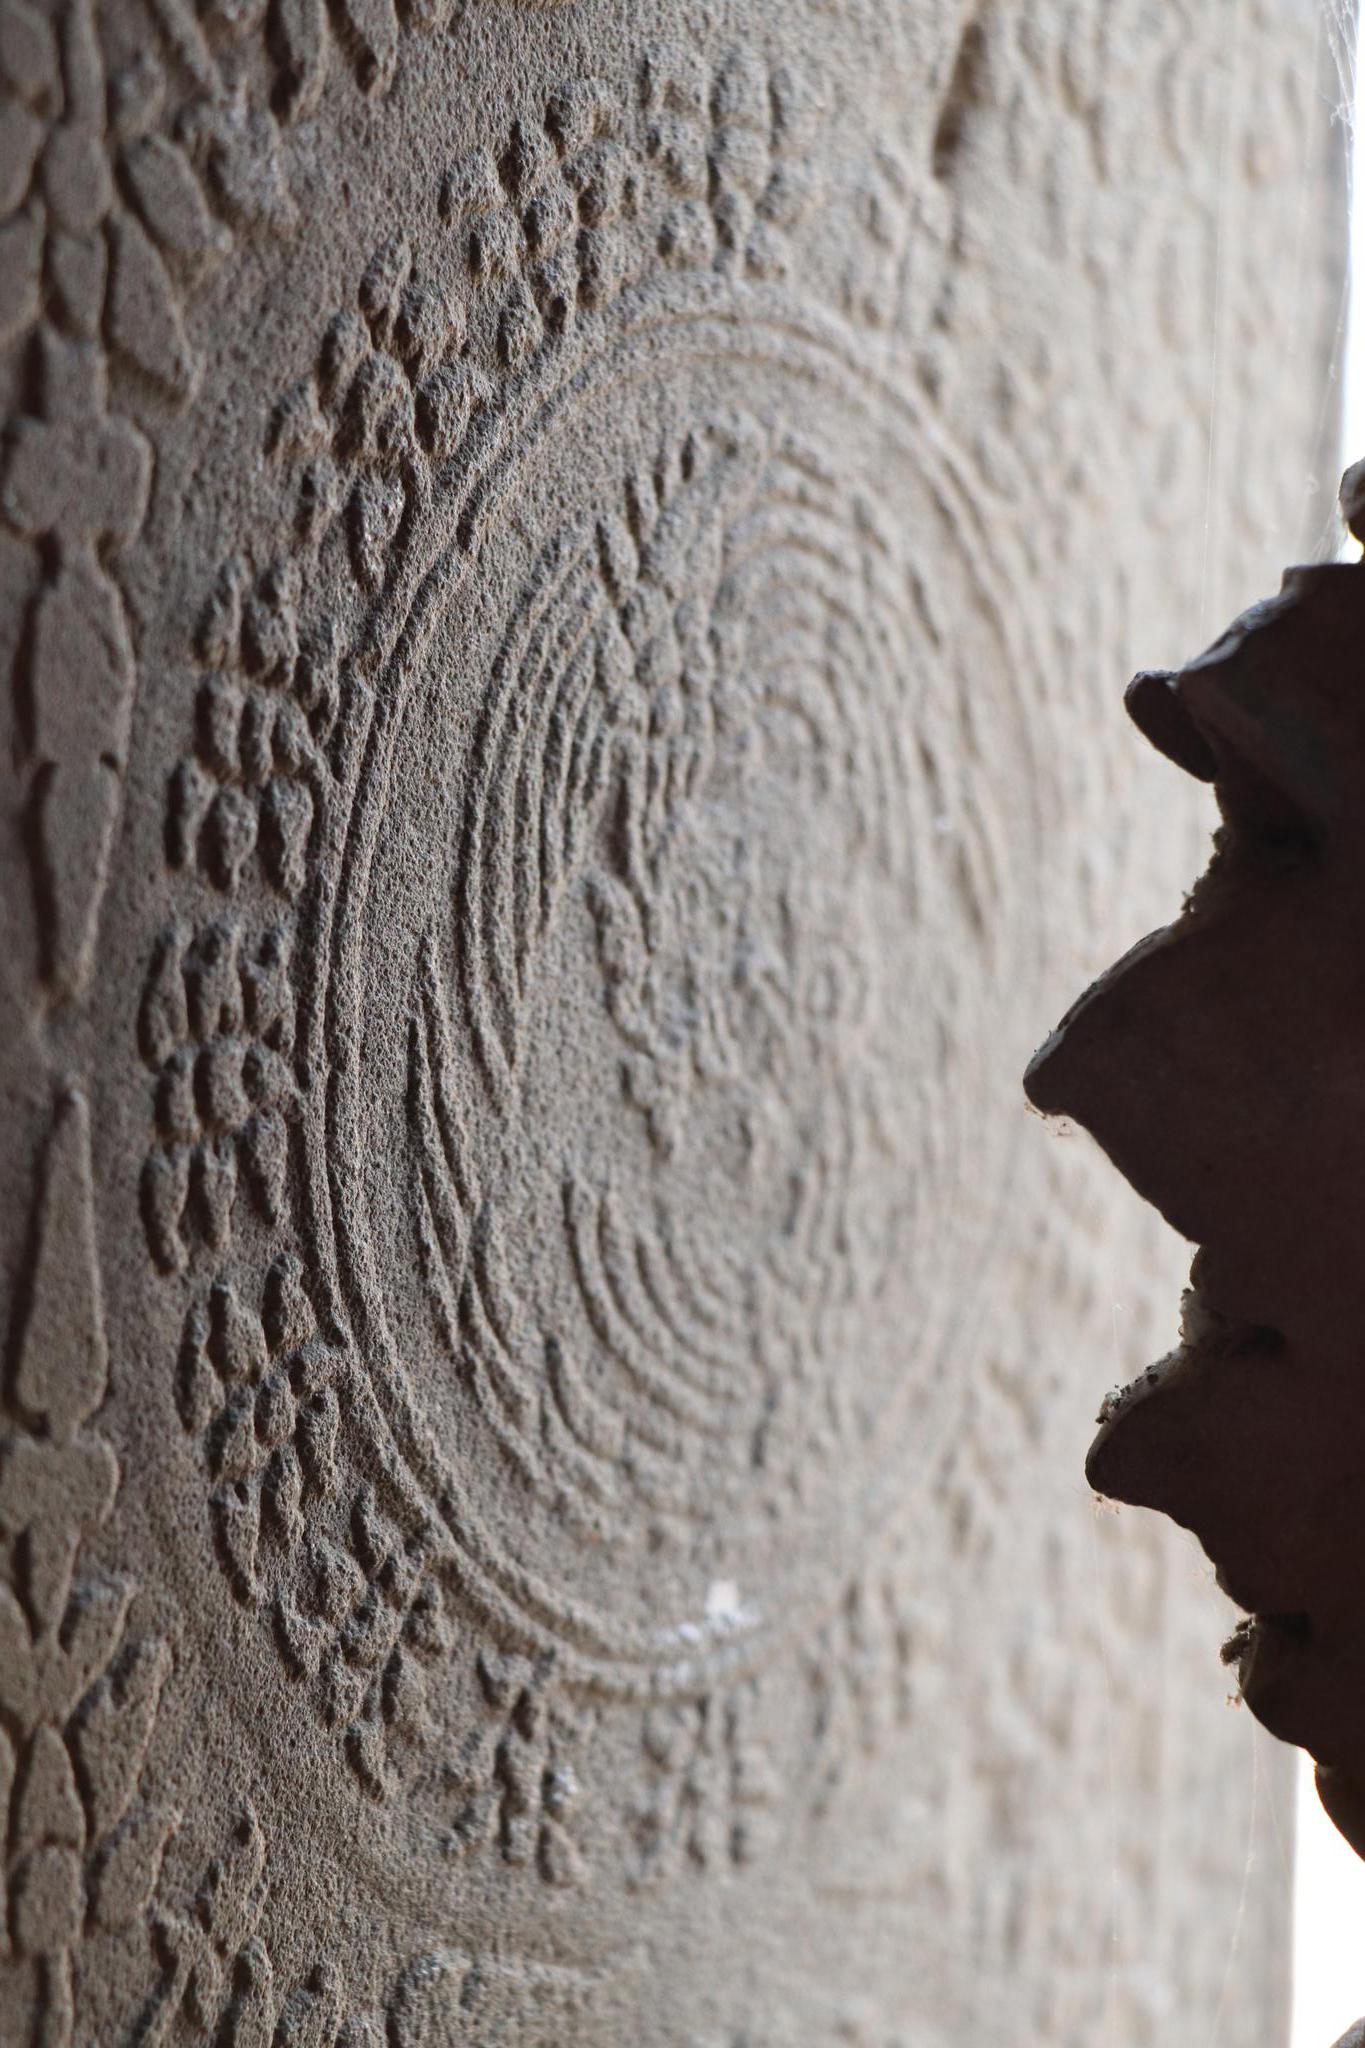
[[79, 1687], [75, 480], [217, 1029], [731, 145], [111, 212], [593, 205], [389, 389], [265, 709], [685, 1359], [353, 1607], [711, 1787], [220, 1984], [860, 1683], [218, 1979], [266, 1409], [105, 220], [515, 1783], [551, 223], [305, 38]]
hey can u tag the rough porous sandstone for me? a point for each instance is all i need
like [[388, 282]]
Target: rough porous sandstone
[[560, 574]]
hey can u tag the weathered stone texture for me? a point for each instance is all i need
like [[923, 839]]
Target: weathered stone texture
[[565, 578]]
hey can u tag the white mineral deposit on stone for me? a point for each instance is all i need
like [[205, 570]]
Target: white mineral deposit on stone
[[724, 1608]]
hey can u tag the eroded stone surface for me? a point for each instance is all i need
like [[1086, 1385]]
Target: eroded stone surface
[[558, 567]]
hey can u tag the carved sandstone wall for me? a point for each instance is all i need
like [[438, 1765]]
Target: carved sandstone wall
[[562, 570]]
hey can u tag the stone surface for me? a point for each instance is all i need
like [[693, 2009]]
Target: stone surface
[[561, 568]]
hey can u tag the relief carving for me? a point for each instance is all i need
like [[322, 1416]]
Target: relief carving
[[220, 1984], [79, 1686], [105, 229], [217, 1028], [667, 1373], [585, 669]]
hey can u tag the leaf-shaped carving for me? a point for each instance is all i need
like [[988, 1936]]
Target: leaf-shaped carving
[[365, 1750], [281, 1495], [301, 27], [250, 2019], [378, 415], [64, 1362], [165, 1194], [338, 1581], [238, 1343], [213, 1187], [49, 1806], [231, 1899], [289, 1316], [163, 1020], [196, 1386], [300, 1641], [113, 1729], [236, 1515], [191, 792], [126, 1869], [267, 1077], [311, 2016], [234, 1452], [372, 516], [286, 819], [52, 1493], [370, 33], [213, 987], [143, 315], [171, 202], [405, 1693], [242, 154], [21, 269], [270, 1001], [21, 137], [296, 425], [265, 1156], [426, 1628], [319, 1423], [368, 1634], [229, 836], [217, 639], [83, 684], [90, 1633]]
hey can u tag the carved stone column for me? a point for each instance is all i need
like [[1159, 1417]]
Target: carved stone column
[[560, 571]]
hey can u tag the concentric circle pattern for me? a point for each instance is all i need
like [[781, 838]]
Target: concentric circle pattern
[[665, 1133]]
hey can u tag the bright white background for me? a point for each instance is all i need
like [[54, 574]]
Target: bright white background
[[1329, 1926]]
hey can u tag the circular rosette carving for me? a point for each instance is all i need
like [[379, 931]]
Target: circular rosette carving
[[677, 917]]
